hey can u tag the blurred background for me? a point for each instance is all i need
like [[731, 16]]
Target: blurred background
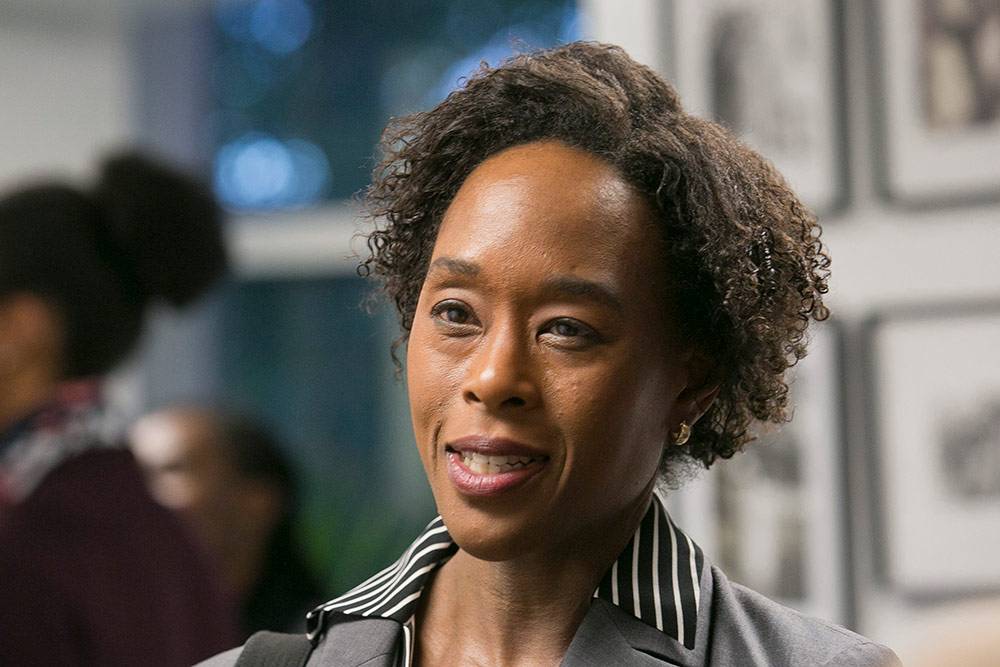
[[878, 507]]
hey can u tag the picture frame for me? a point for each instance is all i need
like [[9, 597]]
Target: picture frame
[[775, 517], [933, 381], [936, 100], [773, 73]]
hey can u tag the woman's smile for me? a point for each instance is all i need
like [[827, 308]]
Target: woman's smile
[[484, 466]]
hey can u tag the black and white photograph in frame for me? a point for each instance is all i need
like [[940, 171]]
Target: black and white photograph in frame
[[935, 378], [939, 71], [770, 71], [774, 516]]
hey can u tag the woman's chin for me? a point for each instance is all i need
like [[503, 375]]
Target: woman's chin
[[490, 534], [494, 545]]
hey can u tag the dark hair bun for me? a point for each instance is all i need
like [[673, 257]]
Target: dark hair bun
[[164, 228], [144, 232]]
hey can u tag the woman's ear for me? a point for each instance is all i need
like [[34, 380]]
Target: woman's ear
[[700, 391]]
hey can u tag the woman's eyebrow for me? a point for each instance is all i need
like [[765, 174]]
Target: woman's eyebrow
[[453, 265], [571, 286], [581, 287]]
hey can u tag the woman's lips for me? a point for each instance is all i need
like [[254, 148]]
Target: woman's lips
[[480, 466]]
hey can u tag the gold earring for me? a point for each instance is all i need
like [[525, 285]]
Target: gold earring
[[682, 435]]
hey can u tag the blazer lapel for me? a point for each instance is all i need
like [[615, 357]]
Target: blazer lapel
[[598, 642]]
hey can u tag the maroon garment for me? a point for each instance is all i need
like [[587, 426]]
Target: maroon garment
[[94, 572]]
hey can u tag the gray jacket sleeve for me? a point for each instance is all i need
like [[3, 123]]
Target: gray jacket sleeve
[[865, 654], [227, 659]]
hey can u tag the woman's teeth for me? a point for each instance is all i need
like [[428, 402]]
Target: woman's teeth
[[493, 465]]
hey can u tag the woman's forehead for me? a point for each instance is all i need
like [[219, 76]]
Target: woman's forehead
[[568, 177], [544, 194]]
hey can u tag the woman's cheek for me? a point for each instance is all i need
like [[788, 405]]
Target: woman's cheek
[[433, 384], [578, 403], [419, 385]]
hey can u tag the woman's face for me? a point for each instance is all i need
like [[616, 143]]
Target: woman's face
[[542, 368]]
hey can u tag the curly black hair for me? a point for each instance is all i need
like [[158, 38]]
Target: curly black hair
[[747, 266]]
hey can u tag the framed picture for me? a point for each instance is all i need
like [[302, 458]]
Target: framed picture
[[774, 517], [770, 71], [934, 378], [938, 73]]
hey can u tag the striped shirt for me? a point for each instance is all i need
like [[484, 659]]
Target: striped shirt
[[656, 579]]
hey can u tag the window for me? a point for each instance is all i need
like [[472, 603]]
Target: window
[[303, 89]]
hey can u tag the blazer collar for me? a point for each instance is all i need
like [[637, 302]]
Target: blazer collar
[[656, 580]]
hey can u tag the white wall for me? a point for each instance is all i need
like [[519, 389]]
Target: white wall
[[886, 256], [64, 85]]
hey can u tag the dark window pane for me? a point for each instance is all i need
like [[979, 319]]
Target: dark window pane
[[303, 89]]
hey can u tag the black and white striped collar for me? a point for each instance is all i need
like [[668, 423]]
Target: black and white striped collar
[[656, 579]]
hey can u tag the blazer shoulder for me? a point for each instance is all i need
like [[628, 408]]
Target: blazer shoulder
[[226, 659], [748, 628], [348, 641], [353, 640], [866, 653]]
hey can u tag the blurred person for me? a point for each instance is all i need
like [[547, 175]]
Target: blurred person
[[92, 570], [226, 475], [597, 291]]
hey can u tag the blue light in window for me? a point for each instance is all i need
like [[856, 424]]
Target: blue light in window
[[258, 171], [281, 26], [253, 172], [312, 172]]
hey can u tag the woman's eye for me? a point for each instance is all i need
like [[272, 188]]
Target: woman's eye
[[565, 329], [452, 312], [570, 329], [455, 314]]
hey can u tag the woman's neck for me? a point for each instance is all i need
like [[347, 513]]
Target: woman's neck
[[519, 612]]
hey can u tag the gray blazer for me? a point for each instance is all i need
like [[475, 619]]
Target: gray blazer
[[735, 627]]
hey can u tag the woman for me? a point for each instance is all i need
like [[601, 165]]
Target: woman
[[595, 289], [94, 572]]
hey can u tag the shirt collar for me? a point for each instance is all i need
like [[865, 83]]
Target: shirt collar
[[656, 579]]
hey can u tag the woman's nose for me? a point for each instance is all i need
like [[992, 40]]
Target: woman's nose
[[499, 377]]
